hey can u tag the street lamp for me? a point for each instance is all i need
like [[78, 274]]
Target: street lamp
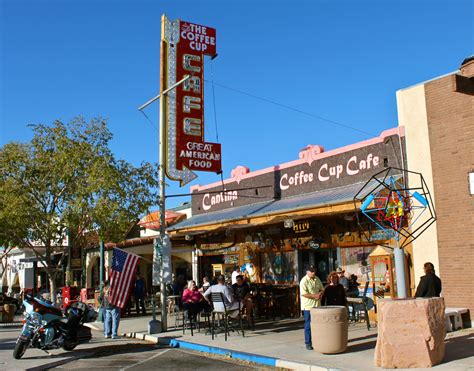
[[153, 324]]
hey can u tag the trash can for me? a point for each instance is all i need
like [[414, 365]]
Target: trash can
[[69, 295], [329, 329]]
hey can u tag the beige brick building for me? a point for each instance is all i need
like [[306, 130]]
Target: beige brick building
[[438, 117]]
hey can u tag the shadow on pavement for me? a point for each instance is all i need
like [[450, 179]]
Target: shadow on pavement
[[7, 344], [96, 352], [459, 348], [361, 347], [371, 336]]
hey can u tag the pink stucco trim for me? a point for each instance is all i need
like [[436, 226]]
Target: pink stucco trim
[[238, 173]]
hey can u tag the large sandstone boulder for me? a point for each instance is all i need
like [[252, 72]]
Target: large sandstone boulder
[[410, 333]]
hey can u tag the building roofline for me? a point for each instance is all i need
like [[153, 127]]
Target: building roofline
[[430, 80]]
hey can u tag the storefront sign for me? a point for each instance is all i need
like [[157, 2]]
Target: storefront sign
[[324, 171], [301, 226], [76, 257], [184, 46], [381, 235]]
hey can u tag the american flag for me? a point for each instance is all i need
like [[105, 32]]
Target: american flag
[[123, 272]]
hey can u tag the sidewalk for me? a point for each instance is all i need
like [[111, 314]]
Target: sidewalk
[[280, 343]]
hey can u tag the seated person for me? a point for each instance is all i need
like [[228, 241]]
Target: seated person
[[192, 299], [353, 287], [230, 303], [342, 278], [242, 292], [334, 293], [205, 284]]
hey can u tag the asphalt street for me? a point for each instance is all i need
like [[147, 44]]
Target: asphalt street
[[108, 354]]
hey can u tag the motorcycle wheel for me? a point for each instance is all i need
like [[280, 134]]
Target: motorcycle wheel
[[20, 349], [69, 347]]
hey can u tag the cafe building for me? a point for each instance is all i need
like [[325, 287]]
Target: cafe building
[[272, 223]]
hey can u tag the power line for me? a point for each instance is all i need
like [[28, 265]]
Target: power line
[[292, 109], [149, 121]]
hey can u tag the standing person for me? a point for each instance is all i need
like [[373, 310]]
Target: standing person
[[311, 290], [430, 283], [334, 293], [342, 278], [112, 314], [235, 273], [179, 285], [139, 294]]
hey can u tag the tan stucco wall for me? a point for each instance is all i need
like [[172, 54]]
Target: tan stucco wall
[[411, 105]]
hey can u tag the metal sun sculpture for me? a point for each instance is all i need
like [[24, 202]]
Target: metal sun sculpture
[[401, 212]]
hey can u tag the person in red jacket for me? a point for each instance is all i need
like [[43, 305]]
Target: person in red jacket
[[192, 299]]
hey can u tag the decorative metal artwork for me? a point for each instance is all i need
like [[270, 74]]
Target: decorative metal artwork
[[403, 212]]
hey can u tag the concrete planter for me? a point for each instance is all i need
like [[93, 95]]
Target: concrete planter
[[329, 329]]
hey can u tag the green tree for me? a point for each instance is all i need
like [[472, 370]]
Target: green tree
[[66, 181]]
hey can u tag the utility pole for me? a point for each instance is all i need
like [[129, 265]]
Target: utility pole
[[102, 264], [162, 203]]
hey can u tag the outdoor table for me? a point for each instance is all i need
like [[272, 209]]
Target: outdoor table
[[281, 300]]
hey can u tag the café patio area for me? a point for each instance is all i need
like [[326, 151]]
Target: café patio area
[[283, 340]]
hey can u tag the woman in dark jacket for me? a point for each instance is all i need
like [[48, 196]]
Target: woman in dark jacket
[[334, 293]]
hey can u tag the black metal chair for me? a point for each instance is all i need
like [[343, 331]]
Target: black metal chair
[[225, 316], [193, 322], [189, 321], [361, 304]]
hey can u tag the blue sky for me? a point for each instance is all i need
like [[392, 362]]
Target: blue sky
[[340, 60]]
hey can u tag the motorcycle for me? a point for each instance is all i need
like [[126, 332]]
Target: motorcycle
[[48, 327]]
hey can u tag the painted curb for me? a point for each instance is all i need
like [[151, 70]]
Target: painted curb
[[243, 356]]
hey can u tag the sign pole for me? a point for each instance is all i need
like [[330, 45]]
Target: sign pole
[[153, 325], [181, 130], [164, 309], [399, 256]]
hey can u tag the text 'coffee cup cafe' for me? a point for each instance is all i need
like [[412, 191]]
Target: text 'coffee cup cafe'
[[273, 223]]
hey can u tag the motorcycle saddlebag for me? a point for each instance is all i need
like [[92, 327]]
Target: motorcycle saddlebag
[[84, 334]]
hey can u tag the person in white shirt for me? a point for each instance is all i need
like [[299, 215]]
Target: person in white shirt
[[235, 273], [205, 284], [229, 301]]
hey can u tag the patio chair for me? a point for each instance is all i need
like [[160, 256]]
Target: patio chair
[[194, 322], [360, 304], [225, 316], [174, 310]]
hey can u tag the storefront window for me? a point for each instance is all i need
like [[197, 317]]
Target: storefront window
[[279, 267], [355, 260]]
